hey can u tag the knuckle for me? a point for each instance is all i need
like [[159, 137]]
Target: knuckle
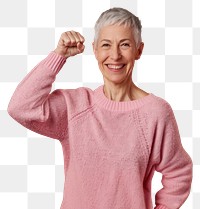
[[68, 42], [63, 34], [73, 41]]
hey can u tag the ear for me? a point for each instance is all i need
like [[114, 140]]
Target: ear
[[139, 51], [94, 48]]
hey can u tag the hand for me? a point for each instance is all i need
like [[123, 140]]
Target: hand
[[70, 44]]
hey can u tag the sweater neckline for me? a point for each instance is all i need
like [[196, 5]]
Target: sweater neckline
[[104, 102]]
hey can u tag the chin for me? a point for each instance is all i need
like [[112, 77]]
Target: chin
[[115, 79]]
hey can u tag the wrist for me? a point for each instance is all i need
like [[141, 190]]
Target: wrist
[[61, 53]]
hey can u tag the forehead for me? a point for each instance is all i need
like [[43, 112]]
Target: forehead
[[111, 32]]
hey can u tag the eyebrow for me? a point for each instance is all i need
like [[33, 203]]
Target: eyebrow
[[125, 39]]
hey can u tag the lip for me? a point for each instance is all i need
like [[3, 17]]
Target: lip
[[114, 70]]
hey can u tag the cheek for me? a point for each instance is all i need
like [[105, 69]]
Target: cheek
[[130, 57], [102, 56], [130, 61]]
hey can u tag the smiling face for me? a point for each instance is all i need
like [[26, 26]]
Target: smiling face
[[116, 52]]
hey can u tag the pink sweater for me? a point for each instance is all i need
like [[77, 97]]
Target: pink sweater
[[111, 149]]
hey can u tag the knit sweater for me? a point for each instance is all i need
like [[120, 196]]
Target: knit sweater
[[111, 149]]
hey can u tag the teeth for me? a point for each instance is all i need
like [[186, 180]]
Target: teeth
[[115, 66]]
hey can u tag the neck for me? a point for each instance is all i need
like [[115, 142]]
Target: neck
[[120, 92]]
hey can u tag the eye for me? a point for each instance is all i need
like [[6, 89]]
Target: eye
[[105, 45], [125, 45]]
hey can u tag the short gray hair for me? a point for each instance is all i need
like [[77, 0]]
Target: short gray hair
[[119, 16]]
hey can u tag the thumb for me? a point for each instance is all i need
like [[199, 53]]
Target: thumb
[[80, 47]]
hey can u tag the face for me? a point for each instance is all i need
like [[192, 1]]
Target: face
[[116, 52]]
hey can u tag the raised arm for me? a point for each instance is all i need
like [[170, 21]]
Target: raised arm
[[32, 105]]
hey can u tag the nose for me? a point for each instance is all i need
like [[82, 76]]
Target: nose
[[115, 53]]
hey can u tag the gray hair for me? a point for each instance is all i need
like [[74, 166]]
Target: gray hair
[[119, 16]]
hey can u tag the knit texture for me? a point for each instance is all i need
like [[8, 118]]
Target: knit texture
[[111, 149]]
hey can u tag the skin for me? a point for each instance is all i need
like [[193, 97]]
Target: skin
[[115, 46], [70, 44]]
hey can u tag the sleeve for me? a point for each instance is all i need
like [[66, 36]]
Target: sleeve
[[33, 106], [174, 164]]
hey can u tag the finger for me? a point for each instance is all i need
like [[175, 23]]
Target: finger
[[81, 37], [80, 47], [72, 39], [66, 39], [76, 36]]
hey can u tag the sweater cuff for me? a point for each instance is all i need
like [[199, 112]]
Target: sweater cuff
[[54, 61], [161, 207]]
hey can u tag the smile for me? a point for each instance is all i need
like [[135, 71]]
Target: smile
[[115, 67]]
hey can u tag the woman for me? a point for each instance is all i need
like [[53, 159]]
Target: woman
[[114, 137]]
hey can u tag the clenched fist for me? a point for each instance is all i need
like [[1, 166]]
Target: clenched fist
[[70, 44]]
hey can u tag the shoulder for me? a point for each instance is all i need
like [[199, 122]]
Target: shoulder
[[78, 93], [78, 100], [159, 108]]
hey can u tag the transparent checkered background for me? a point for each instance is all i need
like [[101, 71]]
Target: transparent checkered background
[[31, 165]]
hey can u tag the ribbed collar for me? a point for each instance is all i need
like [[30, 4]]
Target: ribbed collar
[[104, 102]]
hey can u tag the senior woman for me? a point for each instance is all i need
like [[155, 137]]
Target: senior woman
[[114, 137]]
